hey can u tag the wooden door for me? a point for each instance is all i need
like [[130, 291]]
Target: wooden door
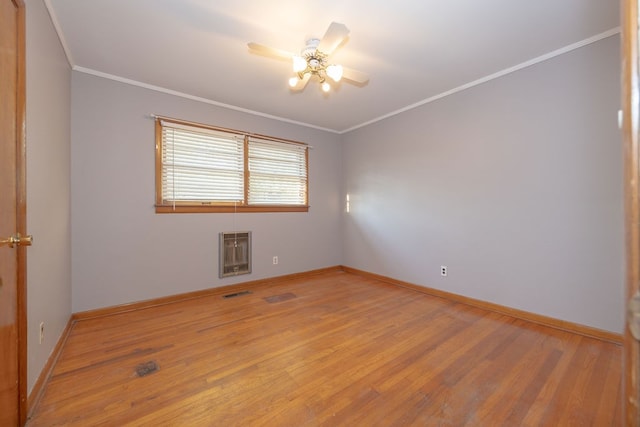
[[630, 116], [12, 215]]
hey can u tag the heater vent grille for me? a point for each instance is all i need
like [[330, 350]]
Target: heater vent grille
[[236, 294], [235, 253]]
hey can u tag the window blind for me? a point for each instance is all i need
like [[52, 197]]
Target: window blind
[[277, 173], [201, 165], [202, 168]]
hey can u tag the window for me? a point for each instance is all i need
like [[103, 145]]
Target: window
[[203, 168]]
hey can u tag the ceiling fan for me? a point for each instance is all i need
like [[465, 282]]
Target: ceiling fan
[[313, 60]]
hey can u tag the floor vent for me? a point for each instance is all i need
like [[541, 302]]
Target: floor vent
[[280, 298], [236, 294], [235, 253], [146, 368]]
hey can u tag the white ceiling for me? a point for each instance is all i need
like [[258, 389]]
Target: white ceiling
[[413, 50]]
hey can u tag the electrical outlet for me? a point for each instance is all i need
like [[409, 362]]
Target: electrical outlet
[[275, 260], [443, 270], [41, 332]]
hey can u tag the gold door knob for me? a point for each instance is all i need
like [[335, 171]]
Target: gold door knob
[[17, 240]]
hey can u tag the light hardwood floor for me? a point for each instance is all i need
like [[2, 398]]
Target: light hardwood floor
[[335, 349]]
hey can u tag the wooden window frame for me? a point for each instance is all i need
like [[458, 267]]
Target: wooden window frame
[[222, 207]]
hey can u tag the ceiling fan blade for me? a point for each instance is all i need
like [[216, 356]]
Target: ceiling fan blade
[[336, 33], [301, 84], [269, 51], [354, 76]]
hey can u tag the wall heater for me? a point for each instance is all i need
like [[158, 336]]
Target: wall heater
[[235, 253]]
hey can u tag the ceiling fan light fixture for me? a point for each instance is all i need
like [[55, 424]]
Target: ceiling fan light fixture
[[313, 60], [299, 64], [334, 72]]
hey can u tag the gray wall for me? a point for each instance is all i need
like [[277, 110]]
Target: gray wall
[[515, 185], [48, 187], [123, 251]]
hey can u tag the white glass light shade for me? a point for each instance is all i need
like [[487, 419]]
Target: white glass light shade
[[335, 72], [325, 87], [299, 64], [293, 81]]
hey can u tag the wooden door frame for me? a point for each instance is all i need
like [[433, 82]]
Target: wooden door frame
[[21, 205], [630, 128]]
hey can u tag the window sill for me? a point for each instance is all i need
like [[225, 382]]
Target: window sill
[[228, 209]]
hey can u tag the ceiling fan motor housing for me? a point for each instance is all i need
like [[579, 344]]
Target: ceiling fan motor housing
[[316, 60], [310, 47]]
